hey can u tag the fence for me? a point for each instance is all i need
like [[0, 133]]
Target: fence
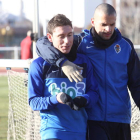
[[10, 52], [14, 52]]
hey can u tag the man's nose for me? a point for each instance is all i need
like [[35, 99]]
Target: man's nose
[[66, 40], [108, 28]]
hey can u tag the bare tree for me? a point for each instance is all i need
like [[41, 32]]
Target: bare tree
[[130, 19]]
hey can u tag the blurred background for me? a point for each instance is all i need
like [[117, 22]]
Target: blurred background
[[19, 16]]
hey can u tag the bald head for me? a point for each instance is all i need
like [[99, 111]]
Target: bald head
[[104, 20], [105, 8]]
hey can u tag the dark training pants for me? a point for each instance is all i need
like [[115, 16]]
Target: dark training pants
[[98, 130]]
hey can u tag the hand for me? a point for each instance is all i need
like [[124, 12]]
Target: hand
[[79, 102], [64, 98], [72, 71]]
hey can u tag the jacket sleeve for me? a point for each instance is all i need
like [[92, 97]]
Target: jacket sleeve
[[53, 56], [36, 98], [134, 76], [92, 93]]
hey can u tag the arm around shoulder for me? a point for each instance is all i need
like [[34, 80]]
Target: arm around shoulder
[[45, 49]]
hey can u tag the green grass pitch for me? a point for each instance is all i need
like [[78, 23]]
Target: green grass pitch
[[3, 107]]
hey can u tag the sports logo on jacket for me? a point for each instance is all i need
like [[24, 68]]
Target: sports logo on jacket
[[79, 89], [88, 47], [117, 48]]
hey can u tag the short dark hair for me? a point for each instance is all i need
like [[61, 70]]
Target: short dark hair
[[58, 20], [105, 8]]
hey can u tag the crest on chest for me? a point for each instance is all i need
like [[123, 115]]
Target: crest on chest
[[117, 48]]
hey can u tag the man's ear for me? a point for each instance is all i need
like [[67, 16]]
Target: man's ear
[[92, 22], [49, 37]]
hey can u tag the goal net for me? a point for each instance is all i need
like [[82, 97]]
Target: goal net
[[24, 124], [135, 121]]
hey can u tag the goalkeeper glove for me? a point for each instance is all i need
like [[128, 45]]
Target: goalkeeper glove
[[79, 102], [72, 71], [64, 98]]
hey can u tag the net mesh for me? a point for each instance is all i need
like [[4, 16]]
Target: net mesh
[[23, 123], [135, 121]]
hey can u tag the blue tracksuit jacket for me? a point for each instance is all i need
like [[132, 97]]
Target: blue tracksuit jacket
[[113, 67], [116, 69], [59, 120]]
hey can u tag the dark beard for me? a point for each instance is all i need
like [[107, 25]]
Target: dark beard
[[102, 43]]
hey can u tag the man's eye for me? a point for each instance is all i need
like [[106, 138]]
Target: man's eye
[[103, 24], [61, 36]]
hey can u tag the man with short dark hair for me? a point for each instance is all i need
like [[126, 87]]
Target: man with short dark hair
[[63, 106]]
